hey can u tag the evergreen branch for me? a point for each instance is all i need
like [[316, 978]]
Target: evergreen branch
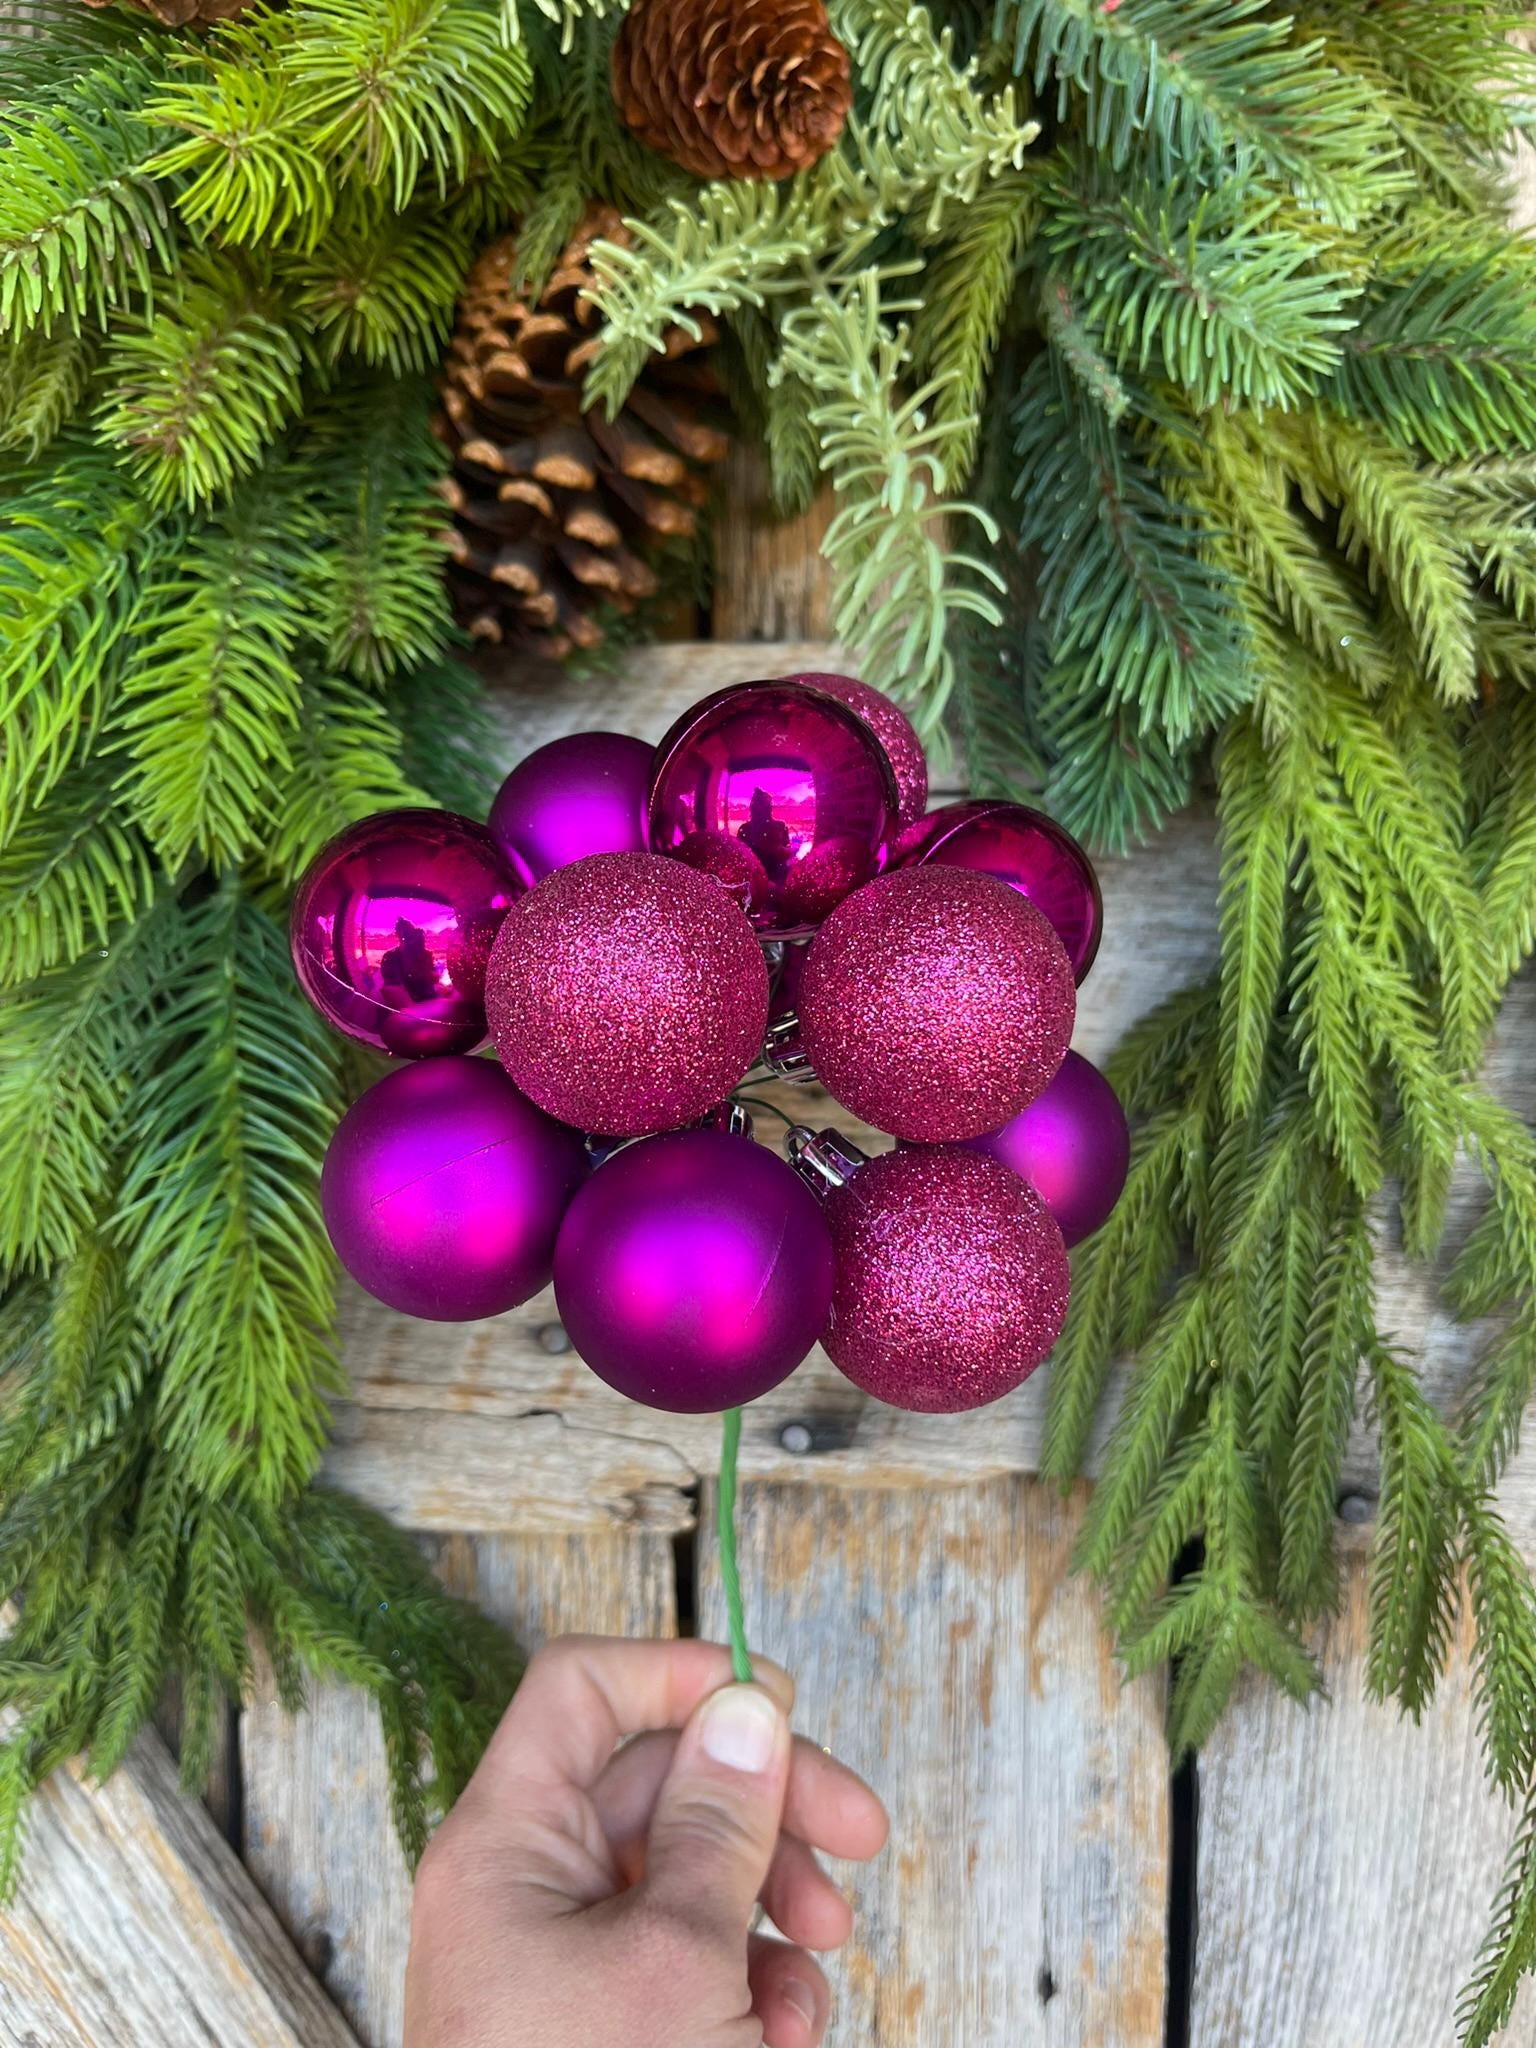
[[371, 470], [1389, 516], [346, 766], [1443, 354], [1508, 1952], [42, 381], [71, 560], [1126, 592], [1222, 291], [733, 246], [209, 705], [69, 872], [901, 584], [379, 286], [1413, 1554], [1339, 1331], [951, 140], [83, 226], [1256, 839], [1202, 76], [450, 741], [248, 170], [201, 388], [220, 1210], [967, 290], [406, 89], [70, 1044], [1250, 498]]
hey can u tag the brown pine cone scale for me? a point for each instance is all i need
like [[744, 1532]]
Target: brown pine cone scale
[[556, 510], [732, 88]]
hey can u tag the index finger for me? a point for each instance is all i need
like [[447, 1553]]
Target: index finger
[[582, 1695]]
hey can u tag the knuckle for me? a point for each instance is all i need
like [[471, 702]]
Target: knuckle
[[709, 1831]]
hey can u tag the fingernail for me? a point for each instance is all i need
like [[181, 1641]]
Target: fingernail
[[799, 1996], [739, 1727]]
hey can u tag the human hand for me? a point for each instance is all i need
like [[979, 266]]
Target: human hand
[[582, 1894]]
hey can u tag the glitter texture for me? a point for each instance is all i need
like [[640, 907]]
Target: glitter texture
[[627, 994], [1028, 851], [795, 777], [694, 1272], [952, 1280], [892, 728], [936, 1003], [392, 928]]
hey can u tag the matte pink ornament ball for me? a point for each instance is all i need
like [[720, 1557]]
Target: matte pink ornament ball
[[392, 926], [627, 994], [694, 1272], [585, 793], [936, 1003], [891, 727], [443, 1189], [1072, 1144], [952, 1279]]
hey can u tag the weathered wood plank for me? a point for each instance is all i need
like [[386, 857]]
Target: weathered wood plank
[[534, 703], [942, 1648], [318, 1835], [770, 579], [136, 1927], [1347, 1863]]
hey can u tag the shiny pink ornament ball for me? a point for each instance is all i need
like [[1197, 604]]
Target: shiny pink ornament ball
[[627, 994], [793, 776], [891, 727], [392, 927], [952, 1280], [1025, 849], [443, 1190], [936, 1003]]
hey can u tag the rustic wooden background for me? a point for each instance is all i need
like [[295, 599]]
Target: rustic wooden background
[[1322, 1878]]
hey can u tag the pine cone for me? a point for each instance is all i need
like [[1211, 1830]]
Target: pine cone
[[732, 88], [557, 510], [183, 13]]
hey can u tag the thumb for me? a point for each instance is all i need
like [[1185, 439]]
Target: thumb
[[716, 1822]]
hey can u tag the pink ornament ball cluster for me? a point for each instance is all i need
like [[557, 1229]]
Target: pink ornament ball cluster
[[636, 929]]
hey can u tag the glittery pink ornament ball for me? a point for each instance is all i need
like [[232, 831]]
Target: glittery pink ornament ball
[[952, 1279], [791, 774], [936, 1003], [627, 994], [891, 727], [392, 927]]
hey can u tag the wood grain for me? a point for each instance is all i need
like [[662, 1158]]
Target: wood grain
[[1347, 1864], [318, 1835], [771, 581], [942, 1648], [135, 1924]]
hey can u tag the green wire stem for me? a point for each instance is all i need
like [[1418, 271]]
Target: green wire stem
[[730, 1577]]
